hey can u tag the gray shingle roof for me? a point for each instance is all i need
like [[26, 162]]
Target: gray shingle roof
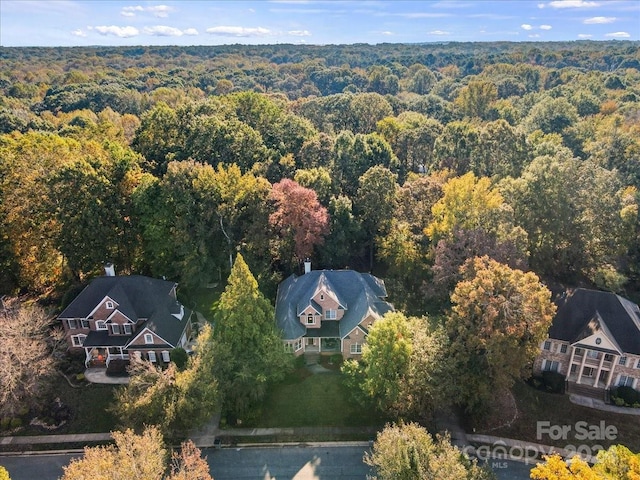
[[581, 310], [360, 293], [138, 297]]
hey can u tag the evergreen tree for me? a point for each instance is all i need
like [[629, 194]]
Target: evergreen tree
[[249, 353]]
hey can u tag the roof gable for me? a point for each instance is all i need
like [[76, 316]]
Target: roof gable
[[583, 312], [362, 293]]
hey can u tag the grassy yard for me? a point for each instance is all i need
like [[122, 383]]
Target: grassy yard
[[203, 300], [534, 406], [88, 405], [321, 400]]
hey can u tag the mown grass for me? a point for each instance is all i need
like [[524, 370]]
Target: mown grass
[[319, 400], [535, 405]]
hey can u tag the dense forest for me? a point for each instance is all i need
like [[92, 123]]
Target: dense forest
[[404, 160]]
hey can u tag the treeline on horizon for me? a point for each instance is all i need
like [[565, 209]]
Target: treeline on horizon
[[409, 159]]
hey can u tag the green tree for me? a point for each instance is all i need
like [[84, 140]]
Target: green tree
[[4, 475], [375, 203], [345, 239], [476, 98], [408, 452], [249, 354], [498, 319], [175, 400]]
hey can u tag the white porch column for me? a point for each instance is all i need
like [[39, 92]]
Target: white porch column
[[599, 370], [87, 355], [584, 357], [573, 354], [614, 362]]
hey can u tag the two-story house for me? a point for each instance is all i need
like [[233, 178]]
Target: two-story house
[[329, 311], [594, 341], [118, 316]]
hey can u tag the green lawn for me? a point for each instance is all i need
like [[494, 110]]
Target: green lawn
[[535, 405], [314, 401], [203, 300]]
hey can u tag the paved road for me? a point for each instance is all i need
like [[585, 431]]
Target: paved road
[[278, 463]]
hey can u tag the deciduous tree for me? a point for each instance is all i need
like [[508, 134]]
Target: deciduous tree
[[408, 452], [498, 319]]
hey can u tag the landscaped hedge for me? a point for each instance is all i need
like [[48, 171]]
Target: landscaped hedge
[[625, 396], [552, 382]]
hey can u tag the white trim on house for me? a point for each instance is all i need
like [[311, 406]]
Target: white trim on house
[[78, 340], [105, 299], [152, 356], [101, 325], [114, 313], [155, 335], [148, 339]]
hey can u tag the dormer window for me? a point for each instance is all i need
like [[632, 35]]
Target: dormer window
[[101, 325], [310, 320], [115, 329], [148, 338], [127, 329], [109, 305]]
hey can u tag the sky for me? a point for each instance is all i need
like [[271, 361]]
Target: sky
[[115, 22]]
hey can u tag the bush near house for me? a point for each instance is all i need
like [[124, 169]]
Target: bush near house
[[625, 396], [552, 382]]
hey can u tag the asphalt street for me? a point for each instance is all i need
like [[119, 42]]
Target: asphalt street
[[271, 463]]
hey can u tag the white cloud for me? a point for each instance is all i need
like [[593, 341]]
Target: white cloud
[[617, 35], [439, 32], [163, 31], [232, 31], [526, 26], [534, 35], [421, 15], [598, 20], [545, 27], [131, 11], [160, 11], [299, 33], [573, 4], [584, 35], [122, 32], [541, 5], [387, 32], [191, 31], [78, 33]]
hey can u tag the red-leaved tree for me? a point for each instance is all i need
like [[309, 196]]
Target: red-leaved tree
[[298, 218]]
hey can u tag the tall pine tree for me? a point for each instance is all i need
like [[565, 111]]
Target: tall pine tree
[[249, 353]]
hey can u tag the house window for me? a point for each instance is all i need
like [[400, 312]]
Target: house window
[[322, 296], [310, 320], [148, 338], [165, 356], [579, 351], [563, 348], [625, 381], [355, 349], [73, 323], [78, 340], [101, 325], [622, 361], [297, 344], [115, 329], [127, 329], [638, 363], [152, 357], [574, 368], [593, 354], [608, 357], [288, 347], [547, 345], [109, 305], [588, 372], [330, 314], [551, 366], [85, 323]]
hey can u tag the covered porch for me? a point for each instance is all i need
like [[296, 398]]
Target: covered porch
[[101, 349], [591, 366], [325, 339]]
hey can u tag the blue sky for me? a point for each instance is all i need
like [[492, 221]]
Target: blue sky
[[115, 22]]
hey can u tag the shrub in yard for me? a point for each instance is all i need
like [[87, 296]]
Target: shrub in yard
[[553, 381], [4, 423], [179, 356], [628, 395], [15, 422]]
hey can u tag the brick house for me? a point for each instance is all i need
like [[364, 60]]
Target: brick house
[[594, 341], [329, 311], [115, 317]]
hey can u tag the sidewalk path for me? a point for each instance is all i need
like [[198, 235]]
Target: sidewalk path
[[600, 405]]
